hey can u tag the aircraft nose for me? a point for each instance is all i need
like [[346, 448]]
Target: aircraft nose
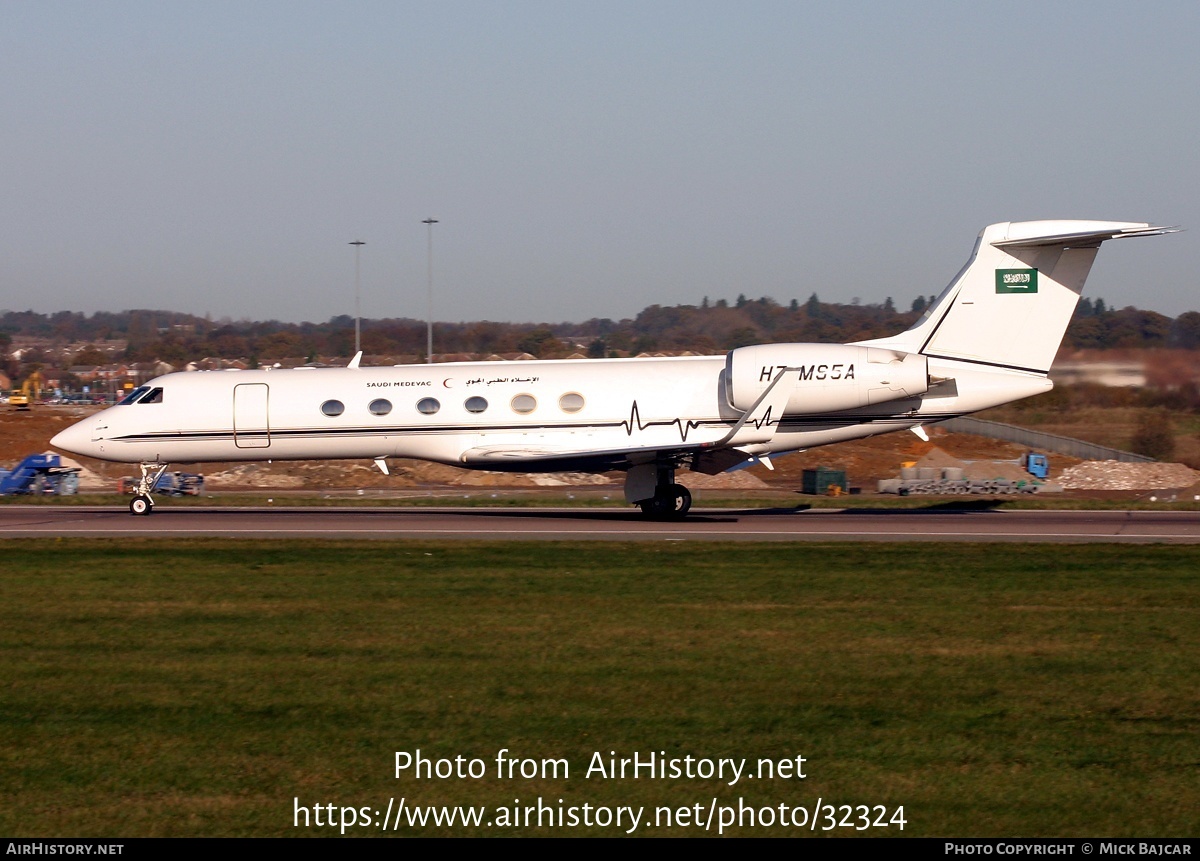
[[77, 439]]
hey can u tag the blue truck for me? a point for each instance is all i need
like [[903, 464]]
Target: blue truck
[[40, 473]]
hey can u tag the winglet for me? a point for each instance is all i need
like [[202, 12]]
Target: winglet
[[354, 362]]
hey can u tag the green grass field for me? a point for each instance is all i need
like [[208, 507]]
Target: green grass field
[[199, 687]]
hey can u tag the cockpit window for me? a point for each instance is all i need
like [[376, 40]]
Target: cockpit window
[[133, 396], [155, 397]]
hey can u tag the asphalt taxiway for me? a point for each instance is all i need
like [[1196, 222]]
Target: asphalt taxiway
[[559, 524]]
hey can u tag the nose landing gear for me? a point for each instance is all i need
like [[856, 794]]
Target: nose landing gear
[[142, 503]]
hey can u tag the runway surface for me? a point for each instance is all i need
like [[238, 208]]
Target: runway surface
[[1171, 527]]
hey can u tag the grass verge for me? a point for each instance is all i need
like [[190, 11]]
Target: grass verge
[[200, 687]]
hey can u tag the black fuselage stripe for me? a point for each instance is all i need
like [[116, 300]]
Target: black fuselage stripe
[[357, 433]]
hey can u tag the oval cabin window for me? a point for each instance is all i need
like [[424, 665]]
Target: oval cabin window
[[572, 402], [524, 404]]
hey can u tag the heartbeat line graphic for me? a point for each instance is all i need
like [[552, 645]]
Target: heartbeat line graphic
[[684, 427], [765, 421]]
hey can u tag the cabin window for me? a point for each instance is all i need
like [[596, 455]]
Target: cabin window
[[155, 397], [380, 407], [475, 404], [333, 408], [524, 404], [133, 396], [571, 402], [428, 406]]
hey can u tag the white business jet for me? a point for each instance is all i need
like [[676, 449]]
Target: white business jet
[[988, 339]]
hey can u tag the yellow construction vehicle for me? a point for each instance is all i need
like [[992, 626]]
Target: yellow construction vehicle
[[29, 393]]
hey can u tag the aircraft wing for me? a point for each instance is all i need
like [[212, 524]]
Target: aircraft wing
[[705, 457], [512, 456]]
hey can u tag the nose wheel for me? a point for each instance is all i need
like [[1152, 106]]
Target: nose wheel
[[142, 504]]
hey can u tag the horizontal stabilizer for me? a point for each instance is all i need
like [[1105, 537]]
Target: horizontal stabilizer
[[1085, 239]]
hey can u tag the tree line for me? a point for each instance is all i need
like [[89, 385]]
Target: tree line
[[707, 328]]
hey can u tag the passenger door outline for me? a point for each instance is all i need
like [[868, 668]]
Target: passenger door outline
[[251, 423]]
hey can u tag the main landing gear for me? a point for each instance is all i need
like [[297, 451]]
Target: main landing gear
[[668, 503], [142, 504], [652, 488]]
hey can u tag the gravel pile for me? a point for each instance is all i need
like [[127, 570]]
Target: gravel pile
[[1115, 475], [481, 478], [251, 475], [88, 480], [737, 480]]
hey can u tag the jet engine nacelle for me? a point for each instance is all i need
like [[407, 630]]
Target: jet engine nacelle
[[827, 377]]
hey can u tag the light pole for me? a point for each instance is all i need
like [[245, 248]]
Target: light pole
[[429, 222], [358, 244]]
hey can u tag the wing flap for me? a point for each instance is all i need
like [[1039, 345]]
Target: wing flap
[[514, 454]]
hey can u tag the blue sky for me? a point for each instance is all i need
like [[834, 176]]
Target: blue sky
[[585, 159]]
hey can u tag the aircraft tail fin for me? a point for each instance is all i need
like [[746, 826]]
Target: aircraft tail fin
[[1010, 305]]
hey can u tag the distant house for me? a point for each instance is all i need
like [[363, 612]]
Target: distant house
[[95, 375], [214, 363], [87, 374], [52, 378]]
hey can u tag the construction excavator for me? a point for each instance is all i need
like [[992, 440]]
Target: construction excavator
[[29, 393]]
